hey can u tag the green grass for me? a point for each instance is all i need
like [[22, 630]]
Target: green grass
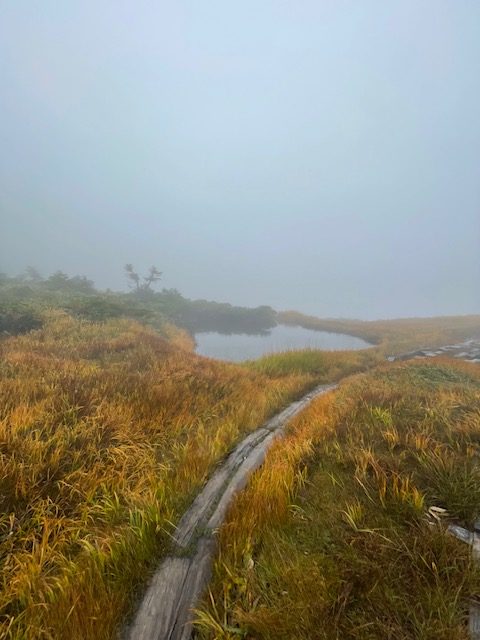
[[326, 366]]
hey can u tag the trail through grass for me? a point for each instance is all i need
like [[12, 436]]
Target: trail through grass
[[331, 539], [107, 432]]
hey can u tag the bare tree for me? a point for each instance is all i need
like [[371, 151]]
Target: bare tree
[[154, 275], [133, 277], [135, 280]]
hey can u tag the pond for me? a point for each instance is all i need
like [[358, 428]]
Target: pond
[[237, 347]]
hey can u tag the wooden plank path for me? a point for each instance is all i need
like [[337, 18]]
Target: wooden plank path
[[165, 612], [473, 539], [469, 350]]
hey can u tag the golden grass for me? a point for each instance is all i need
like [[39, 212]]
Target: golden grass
[[326, 366], [395, 336], [331, 540], [107, 431]]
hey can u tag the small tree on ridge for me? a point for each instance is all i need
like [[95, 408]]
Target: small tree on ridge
[[135, 280]]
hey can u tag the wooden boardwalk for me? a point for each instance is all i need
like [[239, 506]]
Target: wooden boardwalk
[[473, 539], [165, 612]]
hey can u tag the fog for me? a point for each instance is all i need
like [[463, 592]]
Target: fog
[[322, 156]]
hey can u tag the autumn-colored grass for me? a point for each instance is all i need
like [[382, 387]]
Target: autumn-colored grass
[[107, 431], [326, 366], [331, 538], [398, 335]]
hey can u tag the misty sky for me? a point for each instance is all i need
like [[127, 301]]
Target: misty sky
[[317, 155]]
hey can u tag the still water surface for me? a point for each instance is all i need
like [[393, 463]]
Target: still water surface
[[240, 346]]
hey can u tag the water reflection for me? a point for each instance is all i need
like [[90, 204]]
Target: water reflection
[[237, 347]]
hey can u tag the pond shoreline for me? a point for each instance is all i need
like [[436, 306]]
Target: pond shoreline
[[239, 347]]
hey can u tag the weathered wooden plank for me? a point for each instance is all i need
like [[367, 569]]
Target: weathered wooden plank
[[239, 480], [159, 609], [165, 612], [461, 533], [198, 513], [474, 621], [195, 584], [473, 539], [196, 517], [468, 350]]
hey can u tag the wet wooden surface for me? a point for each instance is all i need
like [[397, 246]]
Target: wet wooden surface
[[165, 613], [468, 350], [473, 539]]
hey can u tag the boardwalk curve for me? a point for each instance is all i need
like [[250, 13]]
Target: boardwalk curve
[[165, 613]]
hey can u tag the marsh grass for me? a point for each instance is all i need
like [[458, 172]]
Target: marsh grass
[[109, 429], [326, 366], [331, 540], [107, 432], [397, 335]]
